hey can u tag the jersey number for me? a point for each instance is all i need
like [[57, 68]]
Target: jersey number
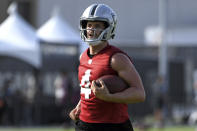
[[85, 82]]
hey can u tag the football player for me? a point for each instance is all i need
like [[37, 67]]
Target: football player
[[99, 110]]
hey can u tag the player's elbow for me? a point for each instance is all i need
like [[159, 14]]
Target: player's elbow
[[142, 96], [136, 100]]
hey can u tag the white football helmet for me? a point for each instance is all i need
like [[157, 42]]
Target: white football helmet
[[98, 12]]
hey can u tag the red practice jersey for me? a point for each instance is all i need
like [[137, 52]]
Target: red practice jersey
[[94, 110]]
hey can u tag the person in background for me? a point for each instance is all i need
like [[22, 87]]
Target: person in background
[[160, 98]]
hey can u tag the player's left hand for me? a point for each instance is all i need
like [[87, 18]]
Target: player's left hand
[[100, 92], [74, 114]]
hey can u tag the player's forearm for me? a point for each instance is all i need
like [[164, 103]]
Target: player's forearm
[[79, 104], [130, 95]]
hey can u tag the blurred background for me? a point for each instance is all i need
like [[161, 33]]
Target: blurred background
[[39, 55]]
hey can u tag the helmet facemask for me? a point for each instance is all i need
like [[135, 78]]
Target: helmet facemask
[[96, 39]]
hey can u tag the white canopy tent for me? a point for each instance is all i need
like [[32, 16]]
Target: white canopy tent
[[18, 39], [174, 37], [57, 30]]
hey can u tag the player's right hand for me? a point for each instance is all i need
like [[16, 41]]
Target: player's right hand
[[74, 114]]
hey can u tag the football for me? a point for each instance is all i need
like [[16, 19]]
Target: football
[[114, 83]]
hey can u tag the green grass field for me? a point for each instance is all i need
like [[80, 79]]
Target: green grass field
[[178, 128]]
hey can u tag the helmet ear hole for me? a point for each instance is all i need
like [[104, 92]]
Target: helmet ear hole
[[106, 24], [113, 36], [105, 36]]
